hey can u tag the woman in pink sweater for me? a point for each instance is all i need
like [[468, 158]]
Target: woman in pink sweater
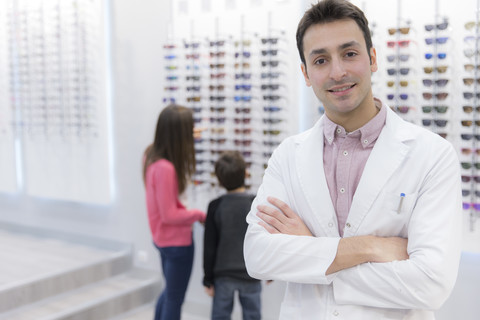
[[169, 162]]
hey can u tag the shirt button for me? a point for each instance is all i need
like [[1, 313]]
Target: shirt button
[[348, 225], [345, 153], [365, 141], [342, 190], [339, 130], [335, 313], [329, 139], [330, 224]]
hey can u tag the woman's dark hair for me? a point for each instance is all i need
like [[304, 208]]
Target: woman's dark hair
[[329, 11], [230, 170], [174, 142]]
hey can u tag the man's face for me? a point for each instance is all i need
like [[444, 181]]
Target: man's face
[[338, 67]]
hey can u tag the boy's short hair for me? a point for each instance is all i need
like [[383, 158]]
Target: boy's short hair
[[230, 170]]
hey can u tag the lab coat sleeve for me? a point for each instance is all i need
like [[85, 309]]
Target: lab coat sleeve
[[425, 280], [284, 257]]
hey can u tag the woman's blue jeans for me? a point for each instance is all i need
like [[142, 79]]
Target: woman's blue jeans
[[177, 265]]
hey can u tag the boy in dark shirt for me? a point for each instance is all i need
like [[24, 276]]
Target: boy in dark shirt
[[225, 229]]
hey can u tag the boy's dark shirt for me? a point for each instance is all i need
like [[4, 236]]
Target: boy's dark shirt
[[225, 229]]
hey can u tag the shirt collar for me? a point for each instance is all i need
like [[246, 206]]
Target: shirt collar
[[367, 134]]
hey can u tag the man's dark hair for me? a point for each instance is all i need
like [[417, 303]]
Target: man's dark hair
[[327, 11], [230, 170]]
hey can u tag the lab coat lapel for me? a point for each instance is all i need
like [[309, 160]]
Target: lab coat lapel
[[387, 155], [311, 175]]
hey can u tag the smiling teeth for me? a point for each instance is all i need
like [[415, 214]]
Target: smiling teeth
[[341, 89]]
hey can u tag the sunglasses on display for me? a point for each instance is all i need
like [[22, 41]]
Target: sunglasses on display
[[403, 83], [438, 122], [244, 143], [217, 109], [194, 88], [440, 69], [195, 78], [219, 87], [402, 71], [271, 109], [470, 95], [271, 75], [469, 165], [243, 131], [245, 87], [270, 40], [242, 120], [470, 25], [469, 123], [217, 66], [400, 57], [271, 143], [470, 38], [404, 30], [218, 119], [192, 56], [217, 54], [439, 109], [402, 96], [169, 46], [440, 26], [272, 121], [400, 44], [470, 67], [245, 43], [245, 76], [170, 56], [272, 132], [194, 99], [243, 110], [218, 140], [470, 53], [192, 45], [470, 81], [469, 151], [243, 98], [441, 55], [466, 193], [440, 40], [244, 65], [438, 82], [171, 67], [217, 75], [468, 205], [171, 88], [438, 96], [401, 109], [273, 63], [270, 86], [217, 43], [469, 136], [470, 178], [469, 109], [171, 78], [244, 54]]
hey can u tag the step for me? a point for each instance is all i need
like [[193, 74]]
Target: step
[[35, 266], [101, 300]]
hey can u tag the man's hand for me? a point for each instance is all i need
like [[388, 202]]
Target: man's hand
[[210, 291], [282, 220]]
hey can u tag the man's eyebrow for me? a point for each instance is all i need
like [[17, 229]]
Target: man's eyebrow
[[343, 46]]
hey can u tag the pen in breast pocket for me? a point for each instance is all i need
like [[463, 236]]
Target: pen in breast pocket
[[402, 196]]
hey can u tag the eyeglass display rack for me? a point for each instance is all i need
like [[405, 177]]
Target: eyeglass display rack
[[57, 94], [471, 120], [235, 86]]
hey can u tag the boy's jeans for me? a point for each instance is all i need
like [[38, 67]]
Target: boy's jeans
[[249, 293]]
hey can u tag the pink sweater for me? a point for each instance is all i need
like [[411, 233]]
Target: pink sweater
[[170, 222]]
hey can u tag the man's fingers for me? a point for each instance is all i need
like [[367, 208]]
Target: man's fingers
[[282, 206], [268, 227], [273, 213]]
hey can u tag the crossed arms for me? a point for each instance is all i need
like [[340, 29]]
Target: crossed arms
[[351, 251]]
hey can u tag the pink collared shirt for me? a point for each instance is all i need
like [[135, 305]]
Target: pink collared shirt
[[344, 158]]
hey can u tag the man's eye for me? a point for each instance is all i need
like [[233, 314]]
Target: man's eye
[[351, 54], [320, 61]]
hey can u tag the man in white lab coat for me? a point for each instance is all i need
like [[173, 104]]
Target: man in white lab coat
[[361, 214]]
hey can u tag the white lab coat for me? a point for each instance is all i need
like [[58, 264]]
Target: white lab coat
[[405, 159]]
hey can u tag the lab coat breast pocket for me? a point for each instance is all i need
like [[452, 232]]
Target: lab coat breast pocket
[[393, 215]]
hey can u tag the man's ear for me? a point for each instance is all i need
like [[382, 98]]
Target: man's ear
[[305, 75], [373, 60]]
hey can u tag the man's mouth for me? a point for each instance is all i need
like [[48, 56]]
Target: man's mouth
[[341, 89]]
